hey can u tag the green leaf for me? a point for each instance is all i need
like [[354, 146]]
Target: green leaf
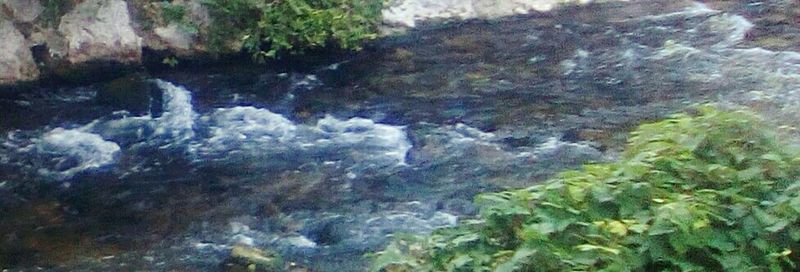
[[521, 257], [465, 239], [459, 262], [617, 228], [588, 247], [752, 173], [720, 241], [390, 257]]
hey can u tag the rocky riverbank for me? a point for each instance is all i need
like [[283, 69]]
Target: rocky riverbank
[[86, 41], [74, 40]]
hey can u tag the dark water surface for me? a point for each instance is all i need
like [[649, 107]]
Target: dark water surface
[[170, 170]]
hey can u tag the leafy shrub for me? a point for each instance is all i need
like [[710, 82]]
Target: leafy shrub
[[711, 192], [172, 13], [267, 28], [52, 11]]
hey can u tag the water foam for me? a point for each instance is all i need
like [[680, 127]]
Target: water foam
[[64, 152], [74, 151], [390, 141], [253, 136], [175, 125], [259, 133], [177, 121], [232, 127]]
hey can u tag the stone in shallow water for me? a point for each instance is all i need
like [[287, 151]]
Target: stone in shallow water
[[131, 93], [298, 244], [254, 259]]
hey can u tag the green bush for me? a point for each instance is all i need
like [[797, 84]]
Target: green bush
[[268, 28], [172, 13], [711, 191], [52, 10]]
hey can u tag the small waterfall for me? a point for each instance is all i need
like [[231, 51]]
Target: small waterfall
[[177, 122]]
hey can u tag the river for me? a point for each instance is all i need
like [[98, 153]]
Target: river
[[322, 163]]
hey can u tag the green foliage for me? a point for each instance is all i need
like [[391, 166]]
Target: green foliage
[[52, 11], [267, 28], [176, 13], [172, 13], [713, 191]]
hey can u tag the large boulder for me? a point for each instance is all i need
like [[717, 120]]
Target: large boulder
[[405, 13], [100, 30], [24, 11], [16, 60]]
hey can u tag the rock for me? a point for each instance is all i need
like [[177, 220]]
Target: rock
[[175, 38], [16, 59], [297, 245], [442, 219], [303, 234], [24, 11], [327, 231], [493, 9], [132, 93], [181, 38], [254, 259], [565, 154], [100, 30], [198, 13], [405, 13]]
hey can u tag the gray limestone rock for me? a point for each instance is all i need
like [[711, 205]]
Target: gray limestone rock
[[405, 13], [25, 11], [16, 60], [100, 30]]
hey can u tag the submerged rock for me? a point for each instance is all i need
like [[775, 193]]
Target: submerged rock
[[131, 93], [16, 60], [253, 259]]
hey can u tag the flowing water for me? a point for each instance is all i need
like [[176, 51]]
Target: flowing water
[[323, 164]]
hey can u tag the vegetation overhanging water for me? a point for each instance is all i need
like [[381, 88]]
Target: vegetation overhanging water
[[176, 170]]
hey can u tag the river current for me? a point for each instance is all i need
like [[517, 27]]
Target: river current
[[325, 163]]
